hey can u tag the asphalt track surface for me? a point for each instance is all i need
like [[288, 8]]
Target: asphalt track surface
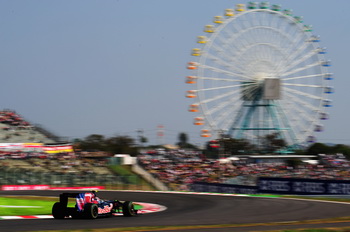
[[187, 210]]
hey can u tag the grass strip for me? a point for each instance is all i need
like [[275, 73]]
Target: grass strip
[[40, 207]]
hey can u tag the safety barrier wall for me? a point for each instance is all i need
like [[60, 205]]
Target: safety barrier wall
[[290, 186]]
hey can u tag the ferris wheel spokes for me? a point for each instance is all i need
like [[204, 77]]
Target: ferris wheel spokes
[[303, 77], [229, 73], [302, 103], [303, 94], [298, 61], [308, 66], [218, 97]]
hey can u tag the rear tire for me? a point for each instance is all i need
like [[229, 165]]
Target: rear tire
[[58, 211], [90, 211], [128, 209]]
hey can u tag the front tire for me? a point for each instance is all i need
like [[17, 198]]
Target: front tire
[[91, 211], [128, 209], [58, 211]]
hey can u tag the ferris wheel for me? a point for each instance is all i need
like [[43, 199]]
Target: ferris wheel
[[259, 70]]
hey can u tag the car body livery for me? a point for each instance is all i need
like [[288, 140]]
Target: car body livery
[[88, 205]]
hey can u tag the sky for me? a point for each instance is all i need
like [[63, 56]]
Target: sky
[[113, 67]]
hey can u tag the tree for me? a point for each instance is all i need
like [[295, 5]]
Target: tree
[[182, 139], [121, 145], [272, 143], [113, 145], [143, 140], [318, 148], [343, 149], [236, 146], [183, 142], [93, 142]]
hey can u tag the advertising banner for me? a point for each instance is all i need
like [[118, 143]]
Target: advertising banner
[[58, 149], [303, 186], [24, 187], [291, 186], [222, 188]]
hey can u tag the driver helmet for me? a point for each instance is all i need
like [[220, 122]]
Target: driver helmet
[[94, 192]]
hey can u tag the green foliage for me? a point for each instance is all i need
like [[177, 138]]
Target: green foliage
[[320, 148], [183, 142], [126, 173], [113, 145], [272, 143], [121, 145], [236, 146], [294, 162]]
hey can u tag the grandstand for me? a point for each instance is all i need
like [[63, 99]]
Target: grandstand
[[15, 129], [30, 154]]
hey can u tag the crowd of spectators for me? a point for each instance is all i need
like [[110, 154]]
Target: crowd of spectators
[[15, 129], [179, 168], [13, 120], [59, 163]]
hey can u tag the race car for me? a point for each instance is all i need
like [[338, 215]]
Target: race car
[[88, 205]]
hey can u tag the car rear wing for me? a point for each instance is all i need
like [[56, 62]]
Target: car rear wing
[[64, 197]]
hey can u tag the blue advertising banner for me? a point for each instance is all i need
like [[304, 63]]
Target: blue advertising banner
[[303, 186], [269, 185], [222, 188]]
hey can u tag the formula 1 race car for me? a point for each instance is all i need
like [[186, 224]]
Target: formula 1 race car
[[88, 205]]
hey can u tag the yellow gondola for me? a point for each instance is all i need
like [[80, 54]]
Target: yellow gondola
[[240, 7], [218, 19], [196, 52], [202, 39], [209, 29], [229, 13]]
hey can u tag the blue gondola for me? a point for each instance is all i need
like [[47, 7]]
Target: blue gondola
[[326, 63], [314, 38], [318, 128], [311, 139], [324, 116], [328, 76], [327, 103], [321, 50], [328, 89]]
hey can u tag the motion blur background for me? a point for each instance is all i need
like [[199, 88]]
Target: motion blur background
[[117, 66]]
